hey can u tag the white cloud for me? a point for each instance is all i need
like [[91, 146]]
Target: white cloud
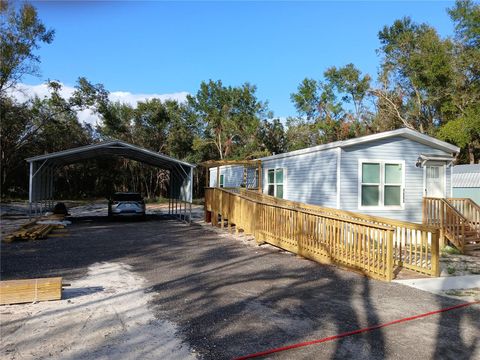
[[23, 92], [132, 99]]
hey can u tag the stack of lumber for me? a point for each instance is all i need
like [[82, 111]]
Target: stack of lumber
[[30, 290], [33, 231]]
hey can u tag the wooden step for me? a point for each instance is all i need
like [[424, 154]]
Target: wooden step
[[471, 247]]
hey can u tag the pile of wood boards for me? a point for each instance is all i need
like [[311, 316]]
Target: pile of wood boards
[[30, 290], [34, 230]]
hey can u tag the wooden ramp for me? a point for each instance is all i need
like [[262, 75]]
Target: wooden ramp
[[372, 245]]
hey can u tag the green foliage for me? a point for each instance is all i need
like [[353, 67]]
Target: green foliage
[[426, 82], [21, 33], [306, 100], [450, 270], [417, 71], [466, 17], [449, 250], [271, 137], [353, 87], [230, 115], [323, 108]]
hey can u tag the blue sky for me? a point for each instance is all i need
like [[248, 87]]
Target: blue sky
[[170, 47]]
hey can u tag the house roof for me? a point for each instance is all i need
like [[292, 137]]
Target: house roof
[[466, 176], [108, 148], [404, 132]]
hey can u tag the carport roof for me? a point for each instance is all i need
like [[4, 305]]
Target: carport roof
[[109, 148]]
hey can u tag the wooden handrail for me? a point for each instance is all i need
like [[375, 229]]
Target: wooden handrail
[[469, 209], [342, 213], [312, 212], [451, 221], [366, 243]]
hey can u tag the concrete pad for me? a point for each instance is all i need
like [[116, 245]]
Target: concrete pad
[[438, 285]]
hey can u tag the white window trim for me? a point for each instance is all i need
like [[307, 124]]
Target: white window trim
[[381, 185], [275, 181]]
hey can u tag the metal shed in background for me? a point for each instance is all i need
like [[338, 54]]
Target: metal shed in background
[[42, 170], [466, 182]]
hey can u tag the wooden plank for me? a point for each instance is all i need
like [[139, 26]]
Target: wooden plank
[[30, 290]]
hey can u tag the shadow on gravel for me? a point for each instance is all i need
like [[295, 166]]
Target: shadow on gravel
[[230, 299], [71, 293]]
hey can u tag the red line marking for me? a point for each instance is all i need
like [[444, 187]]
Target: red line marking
[[350, 333]]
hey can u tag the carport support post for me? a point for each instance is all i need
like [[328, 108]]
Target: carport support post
[[30, 187], [185, 212], [190, 215]]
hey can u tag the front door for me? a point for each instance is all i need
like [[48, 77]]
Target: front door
[[435, 181]]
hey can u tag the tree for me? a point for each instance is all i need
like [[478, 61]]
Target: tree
[[464, 132], [354, 88], [416, 73], [323, 110], [320, 114], [35, 127], [307, 99], [21, 33], [183, 129], [230, 116], [271, 137], [464, 128]]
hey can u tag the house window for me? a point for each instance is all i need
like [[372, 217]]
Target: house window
[[221, 180], [275, 182], [381, 184]]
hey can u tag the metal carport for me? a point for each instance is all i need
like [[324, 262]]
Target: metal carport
[[42, 170]]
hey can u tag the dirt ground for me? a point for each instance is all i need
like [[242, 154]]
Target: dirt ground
[[211, 295], [103, 315]]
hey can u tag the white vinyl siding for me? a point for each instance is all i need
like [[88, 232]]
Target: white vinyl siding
[[387, 150], [309, 178]]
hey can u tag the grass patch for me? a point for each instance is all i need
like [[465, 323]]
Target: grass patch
[[449, 250], [450, 270]]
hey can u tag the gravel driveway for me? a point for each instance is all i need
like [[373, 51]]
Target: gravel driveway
[[228, 297]]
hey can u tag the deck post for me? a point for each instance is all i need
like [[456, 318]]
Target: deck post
[[259, 180], [389, 264], [442, 224], [435, 249], [207, 177], [215, 207]]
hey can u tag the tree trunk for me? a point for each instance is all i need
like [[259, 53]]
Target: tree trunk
[[471, 154]]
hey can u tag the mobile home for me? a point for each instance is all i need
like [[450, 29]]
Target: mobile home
[[385, 174]]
